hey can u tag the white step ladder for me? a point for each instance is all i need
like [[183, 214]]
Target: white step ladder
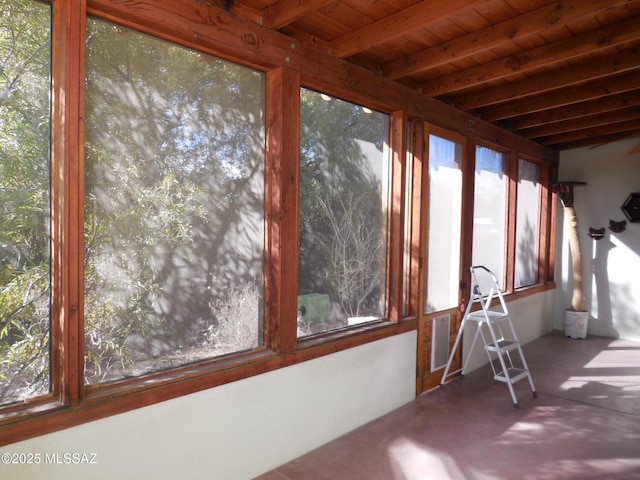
[[500, 340]]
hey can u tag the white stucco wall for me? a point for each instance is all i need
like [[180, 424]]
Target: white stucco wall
[[611, 265], [236, 431]]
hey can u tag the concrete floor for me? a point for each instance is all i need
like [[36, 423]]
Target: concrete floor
[[584, 424]]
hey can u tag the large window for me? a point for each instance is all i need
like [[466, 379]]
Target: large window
[[344, 164], [25, 44], [527, 224], [174, 205], [490, 211], [445, 222]]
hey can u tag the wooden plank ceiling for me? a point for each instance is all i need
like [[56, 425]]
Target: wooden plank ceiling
[[562, 73]]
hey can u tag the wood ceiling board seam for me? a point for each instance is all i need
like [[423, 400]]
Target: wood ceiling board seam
[[603, 38], [573, 111], [624, 62], [412, 18], [544, 18]]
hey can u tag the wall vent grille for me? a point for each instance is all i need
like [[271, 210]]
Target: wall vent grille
[[440, 329]]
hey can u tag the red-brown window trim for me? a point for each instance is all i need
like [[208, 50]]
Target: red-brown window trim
[[546, 250], [69, 403]]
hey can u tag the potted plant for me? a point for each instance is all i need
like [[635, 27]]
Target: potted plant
[[575, 317]]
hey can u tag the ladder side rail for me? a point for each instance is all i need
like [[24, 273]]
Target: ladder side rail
[[502, 302], [476, 297], [523, 360], [501, 333], [525, 366], [456, 343], [486, 305], [491, 359], [473, 344], [498, 349], [509, 359], [504, 368]]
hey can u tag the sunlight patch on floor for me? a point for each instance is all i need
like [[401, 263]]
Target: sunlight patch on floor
[[610, 468], [626, 383], [410, 461], [612, 359]]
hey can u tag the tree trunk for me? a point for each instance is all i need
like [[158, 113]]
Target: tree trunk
[[577, 300]]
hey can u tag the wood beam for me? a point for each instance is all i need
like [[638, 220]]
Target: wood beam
[[590, 121], [546, 18], [592, 133], [284, 12], [595, 143], [572, 75], [283, 151], [67, 268], [419, 15], [566, 96], [583, 109], [396, 244], [544, 56]]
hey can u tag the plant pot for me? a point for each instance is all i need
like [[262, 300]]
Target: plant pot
[[575, 323]]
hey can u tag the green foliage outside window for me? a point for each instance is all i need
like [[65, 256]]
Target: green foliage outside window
[[174, 205], [24, 199], [343, 201]]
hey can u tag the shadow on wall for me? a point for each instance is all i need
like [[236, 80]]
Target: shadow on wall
[[612, 300], [612, 264], [604, 315]]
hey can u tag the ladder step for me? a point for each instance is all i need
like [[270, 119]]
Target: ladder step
[[502, 345], [515, 375], [492, 316]]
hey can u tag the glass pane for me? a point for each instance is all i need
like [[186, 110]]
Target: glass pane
[[25, 84], [343, 214], [174, 215], [408, 205], [527, 224], [489, 212], [445, 220]]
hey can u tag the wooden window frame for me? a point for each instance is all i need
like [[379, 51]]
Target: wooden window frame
[[70, 401], [510, 214], [544, 225], [546, 251], [287, 65]]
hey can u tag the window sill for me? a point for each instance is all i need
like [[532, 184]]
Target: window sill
[[531, 290]]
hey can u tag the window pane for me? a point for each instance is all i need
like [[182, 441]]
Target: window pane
[[174, 222], [445, 219], [489, 212], [25, 44], [408, 205], [527, 224], [343, 214]]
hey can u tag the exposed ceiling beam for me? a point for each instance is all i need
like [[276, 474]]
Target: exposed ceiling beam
[[401, 23], [603, 38], [595, 132], [545, 18], [565, 96], [543, 69], [601, 141], [564, 77], [284, 12], [577, 110], [583, 123]]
